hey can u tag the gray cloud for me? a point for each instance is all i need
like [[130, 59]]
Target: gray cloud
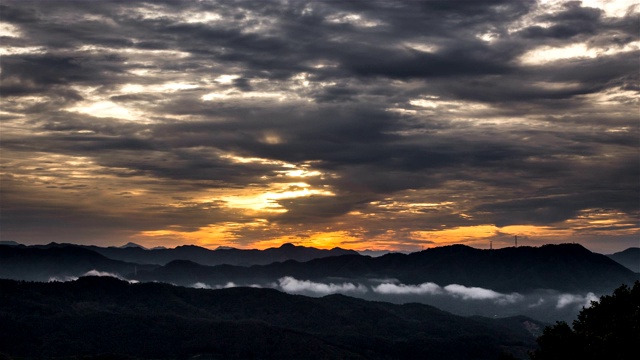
[[575, 300], [453, 290], [402, 289], [292, 285], [386, 103]]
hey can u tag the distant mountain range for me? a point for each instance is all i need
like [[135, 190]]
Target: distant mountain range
[[132, 245], [58, 263], [629, 258], [10, 243], [100, 318], [548, 283], [566, 267], [135, 253]]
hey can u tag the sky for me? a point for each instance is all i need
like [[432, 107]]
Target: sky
[[378, 124]]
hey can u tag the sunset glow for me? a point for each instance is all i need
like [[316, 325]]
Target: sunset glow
[[387, 126]]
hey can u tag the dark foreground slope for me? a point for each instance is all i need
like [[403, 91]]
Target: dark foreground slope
[[105, 316]]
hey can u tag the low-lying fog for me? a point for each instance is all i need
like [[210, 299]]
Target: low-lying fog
[[546, 304]]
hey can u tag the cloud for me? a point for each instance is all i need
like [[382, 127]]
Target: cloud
[[477, 293], [188, 106], [402, 289], [101, 273], [453, 290], [230, 284], [108, 274], [62, 278], [565, 300], [93, 272], [292, 285], [200, 285], [538, 303]]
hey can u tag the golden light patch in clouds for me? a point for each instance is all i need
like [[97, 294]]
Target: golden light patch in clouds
[[104, 109], [457, 234], [292, 170], [9, 30], [226, 79], [399, 206], [320, 240], [51, 171], [213, 236], [484, 233], [235, 95], [535, 231], [283, 187], [210, 236], [245, 160], [267, 201], [272, 139], [602, 222], [611, 101]]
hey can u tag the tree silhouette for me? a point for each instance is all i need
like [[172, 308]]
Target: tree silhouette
[[609, 329]]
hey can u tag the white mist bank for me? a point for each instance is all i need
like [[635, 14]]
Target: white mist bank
[[93, 272]]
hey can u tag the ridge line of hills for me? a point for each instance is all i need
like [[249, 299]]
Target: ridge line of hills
[[135, 253], [565, 267], [548, 283], [154, 320]]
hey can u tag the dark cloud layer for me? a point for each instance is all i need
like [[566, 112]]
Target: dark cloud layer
[[266, 120]]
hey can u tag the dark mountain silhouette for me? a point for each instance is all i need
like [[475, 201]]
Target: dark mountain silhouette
[[566, 267], [108, 318], [58, 263], [630, 258], [373, 253], [132, 245], [200, 255], [8, 242]]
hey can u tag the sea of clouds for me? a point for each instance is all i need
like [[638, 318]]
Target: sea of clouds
[[456, 298]]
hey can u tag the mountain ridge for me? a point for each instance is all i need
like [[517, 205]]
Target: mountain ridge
[[242, 257], [59, 263], [630, 258], [237, 323], [565, 267]]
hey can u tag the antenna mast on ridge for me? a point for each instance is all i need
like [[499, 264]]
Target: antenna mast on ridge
[[516, 240]]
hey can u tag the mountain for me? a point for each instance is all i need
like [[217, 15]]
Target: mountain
[[565, 267], [630, 258], [58, 263], [108, 318], [9, 243], [132, 245], [137, 254], [373, 253], [548, 283]]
